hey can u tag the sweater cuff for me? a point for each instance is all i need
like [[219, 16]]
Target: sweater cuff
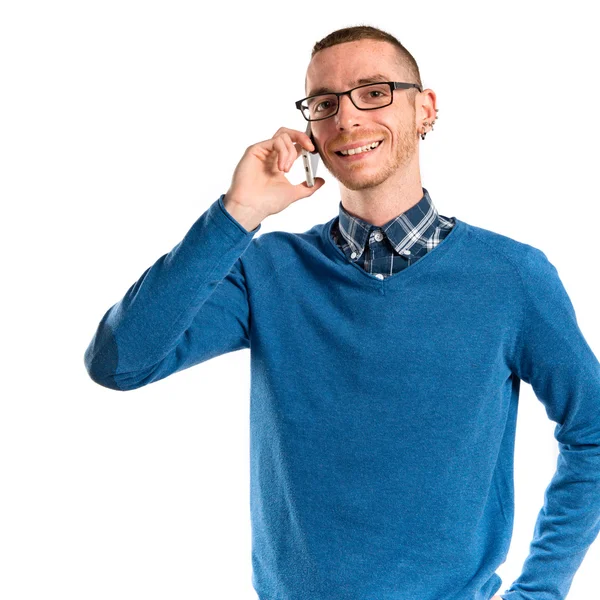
[[230, 218]]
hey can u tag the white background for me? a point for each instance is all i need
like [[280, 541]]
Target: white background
[[121, 122]]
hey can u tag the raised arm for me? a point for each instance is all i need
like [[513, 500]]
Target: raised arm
[[192, 303], [189, 306]]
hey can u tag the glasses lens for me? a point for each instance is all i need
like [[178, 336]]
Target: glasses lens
[[372, 96], [319, 107], [367, 97]]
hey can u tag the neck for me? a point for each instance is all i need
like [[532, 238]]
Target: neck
[[381, 203]]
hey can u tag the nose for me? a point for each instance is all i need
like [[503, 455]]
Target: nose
[[347, 115]]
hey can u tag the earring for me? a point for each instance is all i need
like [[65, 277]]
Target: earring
[[426, 124]]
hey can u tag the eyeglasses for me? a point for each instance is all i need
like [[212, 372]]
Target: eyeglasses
[[365, 97]]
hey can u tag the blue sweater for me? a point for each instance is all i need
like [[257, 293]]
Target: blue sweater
[[383, 412]]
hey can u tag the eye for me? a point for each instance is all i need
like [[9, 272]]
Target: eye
[[321, 103]]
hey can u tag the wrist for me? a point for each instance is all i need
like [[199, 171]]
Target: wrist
[[245, 215]]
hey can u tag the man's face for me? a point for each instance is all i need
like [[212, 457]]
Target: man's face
[[338, 68]]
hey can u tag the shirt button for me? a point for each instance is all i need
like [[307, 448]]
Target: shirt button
[[379, 236], [379, 276], [353, 255], [405, 251]]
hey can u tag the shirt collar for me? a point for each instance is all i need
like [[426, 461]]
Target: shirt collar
[[410, 230]]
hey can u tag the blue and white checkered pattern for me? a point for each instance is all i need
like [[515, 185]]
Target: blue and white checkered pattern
[[396, 245]]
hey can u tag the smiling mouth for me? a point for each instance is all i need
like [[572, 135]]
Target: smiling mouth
[[361, 152]]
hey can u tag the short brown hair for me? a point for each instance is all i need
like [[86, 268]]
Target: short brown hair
[[367, 32]]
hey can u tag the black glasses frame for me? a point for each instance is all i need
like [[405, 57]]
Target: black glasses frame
[[394, 85]]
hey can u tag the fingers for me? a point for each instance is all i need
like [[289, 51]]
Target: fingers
[[292, 152], [298, 137], [286, 151], [287, 145], [280, 147]]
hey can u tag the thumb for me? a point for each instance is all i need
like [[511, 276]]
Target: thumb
[[303, 191]]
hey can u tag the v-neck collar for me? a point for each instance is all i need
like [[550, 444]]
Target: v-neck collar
[[357, 273]]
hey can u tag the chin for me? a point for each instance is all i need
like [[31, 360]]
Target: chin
[[362, 180], [362, 183]]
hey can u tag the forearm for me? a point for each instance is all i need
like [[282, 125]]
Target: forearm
[[150, 320]]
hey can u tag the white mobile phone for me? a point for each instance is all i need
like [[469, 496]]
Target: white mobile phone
[[310, 160]]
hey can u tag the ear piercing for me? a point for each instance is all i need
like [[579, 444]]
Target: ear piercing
[[426, 124]]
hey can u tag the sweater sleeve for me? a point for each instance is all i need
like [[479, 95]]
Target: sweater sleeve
[[189, 306], [553, 356]]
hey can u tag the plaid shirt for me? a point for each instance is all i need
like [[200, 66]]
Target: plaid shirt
[[397, 244]]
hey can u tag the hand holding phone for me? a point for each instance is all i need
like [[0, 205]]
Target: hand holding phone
[[310, 160], [259, 187]]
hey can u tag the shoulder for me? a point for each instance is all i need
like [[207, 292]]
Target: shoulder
[[275, 249], [528, 277], [278, 239], [525, 258]]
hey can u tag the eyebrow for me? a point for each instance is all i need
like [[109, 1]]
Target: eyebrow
[[356, 82]]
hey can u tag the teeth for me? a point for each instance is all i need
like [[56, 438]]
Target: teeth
[[359, 150]]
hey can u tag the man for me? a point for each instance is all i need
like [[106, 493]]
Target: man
[[387, 350]]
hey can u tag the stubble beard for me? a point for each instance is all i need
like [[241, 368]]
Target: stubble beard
[[357, 177]]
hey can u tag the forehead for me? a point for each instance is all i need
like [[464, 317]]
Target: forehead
[[339, 67]]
